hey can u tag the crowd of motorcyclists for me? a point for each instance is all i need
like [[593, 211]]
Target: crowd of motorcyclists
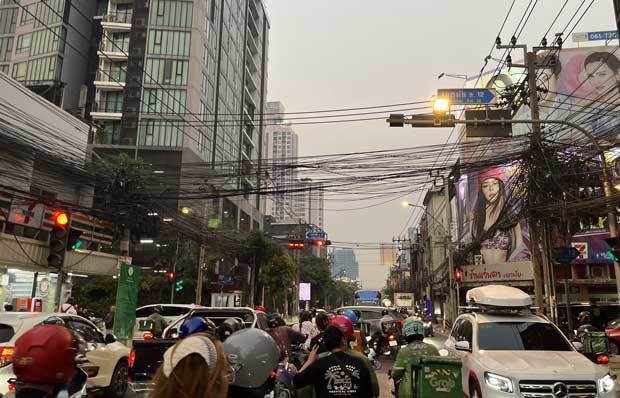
[[321, 355]]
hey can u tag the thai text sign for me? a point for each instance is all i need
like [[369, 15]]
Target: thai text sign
[[509, 271]]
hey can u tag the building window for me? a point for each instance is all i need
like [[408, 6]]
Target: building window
[[6, 48], [27, 15], [8, 20], [176, 43], [166, 71], [23, 43], [171, 13], [163, 133], [19, 71], [164, 101]]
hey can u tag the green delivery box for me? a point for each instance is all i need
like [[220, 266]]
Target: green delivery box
[[439, 377]]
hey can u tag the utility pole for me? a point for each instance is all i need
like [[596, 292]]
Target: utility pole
[[199, 282]]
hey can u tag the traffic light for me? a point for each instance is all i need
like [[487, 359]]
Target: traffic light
[[614, 244], [458, 275], [170, 276], [74, 241], [296, 244], [179, 285], [58, 239], [318, 243]]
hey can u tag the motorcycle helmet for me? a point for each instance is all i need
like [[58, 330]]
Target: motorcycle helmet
[[413, 326], [252, 355], [45, 354], [351, 315], [345, 324], [227, 328], [275, 320], [259, 308], [584, 317], [196, 324]]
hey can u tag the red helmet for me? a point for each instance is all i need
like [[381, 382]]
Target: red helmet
[[259, 308], [45, 355], [345, 324]]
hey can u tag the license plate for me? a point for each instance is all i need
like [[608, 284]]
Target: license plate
[[393, 343]]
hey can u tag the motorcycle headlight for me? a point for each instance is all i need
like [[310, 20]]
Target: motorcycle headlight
[[606, 384], [497, 382]]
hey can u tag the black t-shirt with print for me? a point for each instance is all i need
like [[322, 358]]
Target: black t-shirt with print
[[337, 375]]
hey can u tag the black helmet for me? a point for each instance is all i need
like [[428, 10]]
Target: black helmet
[[305, 316], [228, 327], [275, 320], [584, 317]]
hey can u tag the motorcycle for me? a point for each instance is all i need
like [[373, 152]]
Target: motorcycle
[[593, 344], [75, 389]]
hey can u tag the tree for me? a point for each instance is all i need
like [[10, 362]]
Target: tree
[[316, 271], [256, 251], [277, 276], [342, 293]]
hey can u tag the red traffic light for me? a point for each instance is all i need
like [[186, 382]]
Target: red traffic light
[[296, 244], [170, 275], [319, 243], [458, 275], [60, 218]]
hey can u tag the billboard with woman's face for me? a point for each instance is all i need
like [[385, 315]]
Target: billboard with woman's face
[[485, 198]]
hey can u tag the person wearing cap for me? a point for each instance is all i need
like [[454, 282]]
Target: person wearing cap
[[337, 374], [194, 367], [402, 373]]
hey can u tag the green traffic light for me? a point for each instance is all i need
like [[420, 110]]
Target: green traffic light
[[77, 245], [179, 285], [610, 255]]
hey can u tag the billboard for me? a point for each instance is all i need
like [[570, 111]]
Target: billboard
[[304, 291]]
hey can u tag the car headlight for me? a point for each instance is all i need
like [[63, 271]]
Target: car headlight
[[606, 384], [497, 382]]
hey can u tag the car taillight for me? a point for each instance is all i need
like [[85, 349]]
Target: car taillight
[[11, 387], [6, 355], [131, 359], [147, 336], [401, 321], [602, 359], [391, 337]]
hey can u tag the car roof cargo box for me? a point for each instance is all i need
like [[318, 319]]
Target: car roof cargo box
[[498, 296]]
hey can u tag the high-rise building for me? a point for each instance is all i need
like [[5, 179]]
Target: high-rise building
[[184, 82], [281, 147], [345, 264], [45, 45], [310, 202]]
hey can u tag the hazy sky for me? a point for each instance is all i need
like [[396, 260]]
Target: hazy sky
[[328, 54]]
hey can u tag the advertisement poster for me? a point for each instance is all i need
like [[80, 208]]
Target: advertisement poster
[[126, 301], [484, 197], [304, 291]]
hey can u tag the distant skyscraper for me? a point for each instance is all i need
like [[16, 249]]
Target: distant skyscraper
[[281, 147], [310, 202], [345, 264]]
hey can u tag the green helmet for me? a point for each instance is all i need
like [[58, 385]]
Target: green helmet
[[413, 326]]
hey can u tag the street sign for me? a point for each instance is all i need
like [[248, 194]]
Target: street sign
[[468, 96], [316, 235], [565, 255], [579, 37]]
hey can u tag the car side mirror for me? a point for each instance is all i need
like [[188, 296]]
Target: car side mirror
[[462, 346], [578, 345], [444, 353], [110, 338]]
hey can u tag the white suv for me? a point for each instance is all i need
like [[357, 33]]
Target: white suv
[[512, 353]]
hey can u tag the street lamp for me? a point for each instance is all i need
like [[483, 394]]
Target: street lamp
[[456, 76], [441, 106]]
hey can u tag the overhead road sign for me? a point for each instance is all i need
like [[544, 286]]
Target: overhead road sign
[[468, 96], [579, 37], [316, 235]]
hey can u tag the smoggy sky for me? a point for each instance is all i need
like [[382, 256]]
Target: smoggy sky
[[329, 54]]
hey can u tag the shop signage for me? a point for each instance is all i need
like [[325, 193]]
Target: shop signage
[[504, 272]]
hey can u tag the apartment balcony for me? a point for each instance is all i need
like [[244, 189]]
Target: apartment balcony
[[250, 83], [114, 51], [251, 62], [250, 98], [117, 21], [252, 25], [107, 80], [252, 45], [107, 110]]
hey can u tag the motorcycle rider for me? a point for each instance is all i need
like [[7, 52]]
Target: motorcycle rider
[[158, 321], [45, 363], [322, 322], [346, 326], [252, 355], [339, 373], [306, 327], [194, 367], [283, 335], [196, 324], [413, 330], [359, 343]]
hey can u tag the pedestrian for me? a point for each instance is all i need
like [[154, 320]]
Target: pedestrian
[[402, 373], [194, 367], [109, 318], [338, 374]]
